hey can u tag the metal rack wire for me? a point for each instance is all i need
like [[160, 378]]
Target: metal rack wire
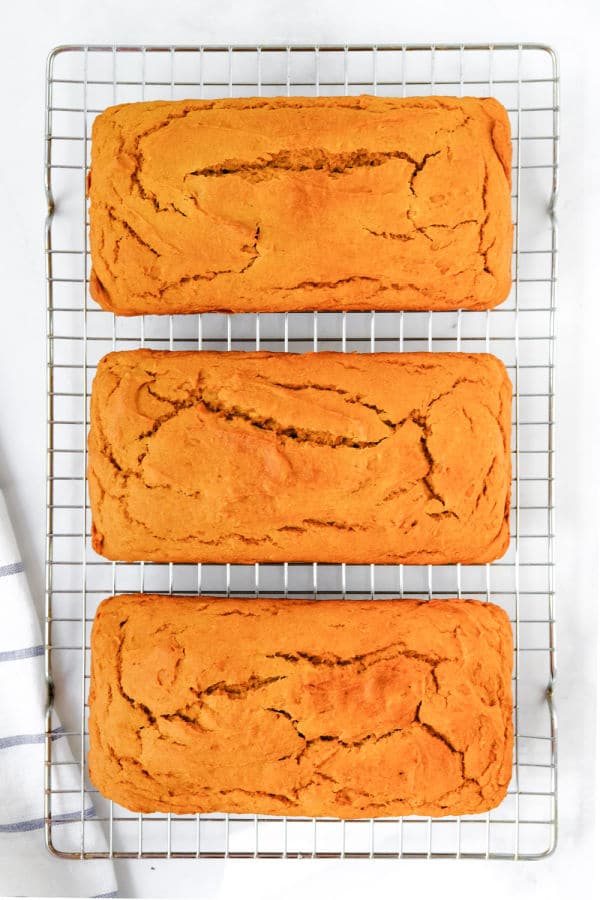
[[82, 81]]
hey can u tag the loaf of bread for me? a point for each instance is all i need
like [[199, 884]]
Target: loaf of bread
[[326, 708], [322, 457], [301, 203]]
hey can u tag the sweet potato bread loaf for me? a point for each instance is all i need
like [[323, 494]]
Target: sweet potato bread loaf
[[301, 203], [326, 457], [326, 708]]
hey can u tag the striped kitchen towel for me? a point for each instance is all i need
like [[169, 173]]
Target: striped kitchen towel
[[26, 866]]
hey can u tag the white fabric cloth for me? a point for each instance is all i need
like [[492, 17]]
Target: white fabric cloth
[[26, 866]]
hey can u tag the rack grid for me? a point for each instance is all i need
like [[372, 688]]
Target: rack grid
[[81, 82]]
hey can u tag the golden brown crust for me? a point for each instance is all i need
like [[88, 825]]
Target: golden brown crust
[[301, 203], [328, 708], [327, 457]]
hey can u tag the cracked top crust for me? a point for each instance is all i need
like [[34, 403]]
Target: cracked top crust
[[327, 708], [328, 457], [301, 203]]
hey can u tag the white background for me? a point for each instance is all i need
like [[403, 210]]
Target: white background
[[30, 29]]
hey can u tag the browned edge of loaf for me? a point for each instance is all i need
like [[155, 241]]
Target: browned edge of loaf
[[258, 204], [326, 457], [309, 708]]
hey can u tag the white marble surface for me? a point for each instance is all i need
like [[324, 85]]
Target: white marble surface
[[30, 29]]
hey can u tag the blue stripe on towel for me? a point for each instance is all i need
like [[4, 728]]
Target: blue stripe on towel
[[37, 824], [11, 569], [16, 740], [109, 894], [25, 653]]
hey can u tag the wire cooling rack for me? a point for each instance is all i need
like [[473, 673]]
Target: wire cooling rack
[[82, 81]]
